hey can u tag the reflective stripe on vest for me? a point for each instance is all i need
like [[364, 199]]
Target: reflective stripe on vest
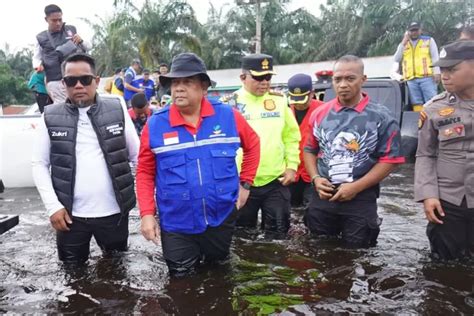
[[197, 180], [169, 148], [417, 60]]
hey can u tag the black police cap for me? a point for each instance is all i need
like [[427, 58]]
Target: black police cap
[[455, 53], [258, 64]]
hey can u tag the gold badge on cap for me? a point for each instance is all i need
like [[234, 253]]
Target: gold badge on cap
[[297, 91], [269, 105], [446, 111], [265, 64]]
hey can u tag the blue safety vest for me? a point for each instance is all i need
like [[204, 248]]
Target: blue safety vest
[[148, 86], [197, 181], [128, 94]]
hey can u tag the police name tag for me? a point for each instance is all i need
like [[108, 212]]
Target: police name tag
[[269, 114], [115, 129]]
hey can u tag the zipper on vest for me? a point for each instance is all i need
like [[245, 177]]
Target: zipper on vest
[[200, 182]]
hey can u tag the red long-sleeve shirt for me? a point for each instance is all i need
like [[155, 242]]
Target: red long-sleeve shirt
[[146, 170]]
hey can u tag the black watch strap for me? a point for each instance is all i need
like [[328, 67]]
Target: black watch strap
[[245, 185]]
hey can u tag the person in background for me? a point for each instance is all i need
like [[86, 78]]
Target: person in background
[[81, 165], [130, 75], [36, 84], [140, 111], [417, 53], [302, 103], [47, 57], [353, 144], [187, 170], [467, 32], [165, 100], [117, 85], [271, 118], [162, 90], [145, 83], [444, 176]]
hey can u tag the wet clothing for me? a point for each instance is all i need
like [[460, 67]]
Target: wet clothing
[[444, 166], [274, 201], [302, 193], [272, 119], [454, 239], [88, 152], [184, 252], [139, 123], [193, 168], [348, 143], [356, 222], [110, 233]]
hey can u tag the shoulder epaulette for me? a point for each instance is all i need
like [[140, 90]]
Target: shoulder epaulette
[[277, 93], [438, 97]]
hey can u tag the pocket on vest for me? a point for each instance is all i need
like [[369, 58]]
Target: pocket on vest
[[175, 210], [223, 163], [174, 169]]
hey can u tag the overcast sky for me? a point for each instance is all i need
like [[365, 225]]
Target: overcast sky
[[21, 20]]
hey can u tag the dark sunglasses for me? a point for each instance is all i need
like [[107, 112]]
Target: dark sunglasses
[[71, 81], [267, 77]]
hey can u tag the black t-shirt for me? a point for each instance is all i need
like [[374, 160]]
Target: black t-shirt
[[300, 114]]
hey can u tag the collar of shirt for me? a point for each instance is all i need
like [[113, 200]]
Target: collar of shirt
[[252, 97], [358, 108], [176, 119]]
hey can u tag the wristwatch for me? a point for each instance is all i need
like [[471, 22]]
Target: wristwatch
[[245, 185], [314, 178]]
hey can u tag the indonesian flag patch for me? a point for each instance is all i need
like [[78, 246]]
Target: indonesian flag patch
[[170, 138]]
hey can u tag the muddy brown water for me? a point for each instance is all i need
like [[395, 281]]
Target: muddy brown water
[[298, 276]]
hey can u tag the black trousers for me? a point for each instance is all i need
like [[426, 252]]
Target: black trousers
[[355, 221], [42, 100], [184, 252], [110, 233], [302, 193], [454, 239], [274, 201]]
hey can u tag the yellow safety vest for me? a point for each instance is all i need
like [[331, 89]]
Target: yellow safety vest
[[417, 60], [115, 90], [274, 122]]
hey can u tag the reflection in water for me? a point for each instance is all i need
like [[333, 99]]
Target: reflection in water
[[301, 275]]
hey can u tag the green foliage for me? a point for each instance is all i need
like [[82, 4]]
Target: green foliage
[[160, 29], [14, 75], [264, 289]]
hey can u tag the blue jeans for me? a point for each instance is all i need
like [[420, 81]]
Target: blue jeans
[[422, 90]]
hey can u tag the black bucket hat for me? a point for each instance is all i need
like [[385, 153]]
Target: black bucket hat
[[186, 65]]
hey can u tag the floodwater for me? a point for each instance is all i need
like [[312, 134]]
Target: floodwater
[[299, 276]]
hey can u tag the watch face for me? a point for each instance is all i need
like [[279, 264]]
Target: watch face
[[245, 185]]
